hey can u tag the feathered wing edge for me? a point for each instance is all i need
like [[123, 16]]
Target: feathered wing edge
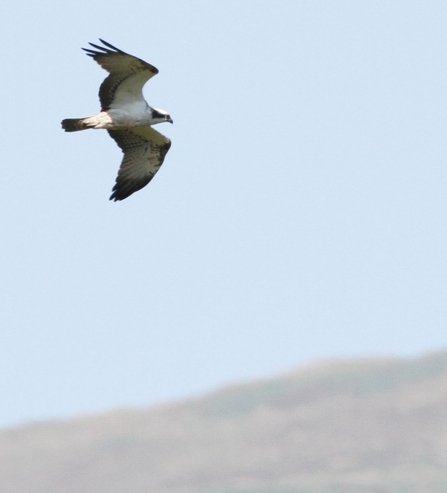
[[144, 152], [113, 50], [121, 66]]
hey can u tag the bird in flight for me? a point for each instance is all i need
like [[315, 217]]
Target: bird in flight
[[127, 117]]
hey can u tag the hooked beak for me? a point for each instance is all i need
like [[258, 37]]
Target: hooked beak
[[169, 120]]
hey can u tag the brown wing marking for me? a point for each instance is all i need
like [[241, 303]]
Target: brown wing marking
[[124, 69], [144, 151]]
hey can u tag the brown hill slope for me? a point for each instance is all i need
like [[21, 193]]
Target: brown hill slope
[[360, 426]]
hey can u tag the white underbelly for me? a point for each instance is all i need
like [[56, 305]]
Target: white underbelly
[[134, 114], [128, 118]]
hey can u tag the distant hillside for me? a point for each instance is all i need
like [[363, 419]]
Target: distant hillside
[[362, 426]]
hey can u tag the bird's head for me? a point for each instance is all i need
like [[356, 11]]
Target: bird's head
[[160, 116]]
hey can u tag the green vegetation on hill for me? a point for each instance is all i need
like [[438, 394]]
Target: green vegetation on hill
[[353, 378]]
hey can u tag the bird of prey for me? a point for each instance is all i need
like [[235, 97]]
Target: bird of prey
[[127, 117]]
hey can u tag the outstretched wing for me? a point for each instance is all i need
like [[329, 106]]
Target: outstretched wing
[[128, 74], [144, 152]]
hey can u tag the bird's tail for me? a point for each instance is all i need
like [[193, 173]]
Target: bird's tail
[[74, 124]]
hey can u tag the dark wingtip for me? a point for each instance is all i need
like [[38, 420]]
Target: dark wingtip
[[101, 49], [110, 46], [89, 52], [114, 195], [105, 50]]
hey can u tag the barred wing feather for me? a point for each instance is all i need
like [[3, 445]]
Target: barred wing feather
[[128, 74], [144, 151]]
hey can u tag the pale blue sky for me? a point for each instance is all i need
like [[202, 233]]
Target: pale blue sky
[[300, 214]]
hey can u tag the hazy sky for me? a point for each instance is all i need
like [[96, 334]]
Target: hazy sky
[[300, 214]]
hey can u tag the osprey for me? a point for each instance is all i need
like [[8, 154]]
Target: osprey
[[127, 117]]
